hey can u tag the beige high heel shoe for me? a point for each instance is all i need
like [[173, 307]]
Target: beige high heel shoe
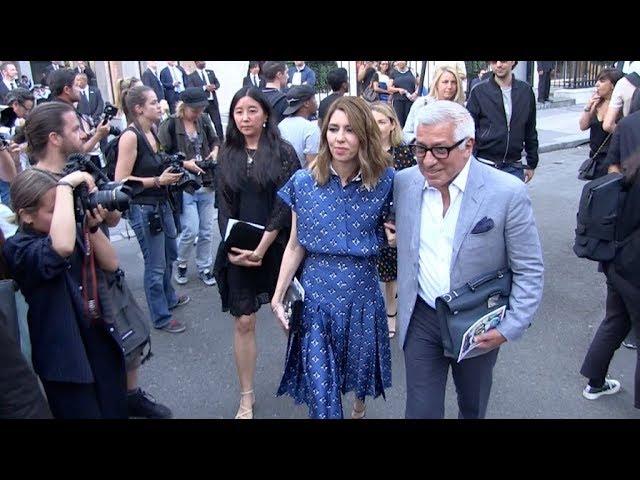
[[245, 413], [358, 414]]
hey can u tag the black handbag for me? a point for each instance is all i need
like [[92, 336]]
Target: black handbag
[[8, 310], [463, 306], [243, 235], [589, 168]]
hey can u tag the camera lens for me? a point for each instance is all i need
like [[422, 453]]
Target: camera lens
[[109, 199]]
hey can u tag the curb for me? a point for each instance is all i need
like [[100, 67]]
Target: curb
[[562, 143]]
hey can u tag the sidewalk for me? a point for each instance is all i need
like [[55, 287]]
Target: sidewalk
[[558, 128]]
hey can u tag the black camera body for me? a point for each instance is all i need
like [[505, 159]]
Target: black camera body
[[111, 195], [209, 175], [108, 113], [188, 182]]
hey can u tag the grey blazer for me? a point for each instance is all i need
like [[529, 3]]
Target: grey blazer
[[513, 241]]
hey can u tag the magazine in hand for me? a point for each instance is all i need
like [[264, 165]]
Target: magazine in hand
[[483, 324], [243, 235]]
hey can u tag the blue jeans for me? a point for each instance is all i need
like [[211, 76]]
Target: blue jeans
[[159, 252], [4, 192], [517, 172], [197, 219]]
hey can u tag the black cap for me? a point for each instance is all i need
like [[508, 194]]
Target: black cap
[[194, 97], [296, 96]]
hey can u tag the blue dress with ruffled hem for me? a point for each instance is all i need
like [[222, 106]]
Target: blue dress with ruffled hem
[[341, 343]]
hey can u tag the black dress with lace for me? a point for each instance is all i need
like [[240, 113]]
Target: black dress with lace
[[388, 258], [244, 289]]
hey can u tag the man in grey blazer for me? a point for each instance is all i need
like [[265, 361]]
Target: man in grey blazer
[[458, 219]]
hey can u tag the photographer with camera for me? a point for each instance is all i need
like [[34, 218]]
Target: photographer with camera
[[191, 132], [19, 103], [151, 216], [54, 136], [66, 88], [76, 351]]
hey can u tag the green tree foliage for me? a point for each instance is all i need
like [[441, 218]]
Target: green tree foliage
[[321, 69], [474, 66]]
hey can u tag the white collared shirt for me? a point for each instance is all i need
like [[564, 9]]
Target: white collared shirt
[[436, 237], [206, 80], [297, 77], [357, 178], [176, 74]]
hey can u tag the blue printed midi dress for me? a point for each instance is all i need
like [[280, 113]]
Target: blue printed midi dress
[[341, 343]]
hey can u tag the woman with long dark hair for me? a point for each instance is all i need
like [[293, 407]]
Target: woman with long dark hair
[[593, 117], [253, 163]]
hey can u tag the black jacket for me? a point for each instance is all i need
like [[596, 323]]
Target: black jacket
[[495, 140]]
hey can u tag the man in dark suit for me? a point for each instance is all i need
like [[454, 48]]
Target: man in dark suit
[[253, 79], [173, 78], [151, 78], [83, 67], [90, 102], [9, 79], [52, 67], [545, 72], [457, 219], [207, 80]]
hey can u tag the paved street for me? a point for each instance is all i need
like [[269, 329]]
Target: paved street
[[535, 378]]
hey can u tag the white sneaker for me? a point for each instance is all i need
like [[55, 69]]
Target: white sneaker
[[207, 277], [181, 275], [609, 388]]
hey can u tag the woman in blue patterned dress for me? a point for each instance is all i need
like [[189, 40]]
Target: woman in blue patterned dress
[[341, 342]]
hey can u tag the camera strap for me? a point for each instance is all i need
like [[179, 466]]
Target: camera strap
[[89, 278]]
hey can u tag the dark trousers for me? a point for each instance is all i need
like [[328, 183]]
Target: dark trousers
[[73, 400], [427, 369], [544, 86], [622, 312], [214, 114], [402, 107]]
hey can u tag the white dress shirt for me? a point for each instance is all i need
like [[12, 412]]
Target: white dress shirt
[[203, 75], [436, 238], [177, 77]]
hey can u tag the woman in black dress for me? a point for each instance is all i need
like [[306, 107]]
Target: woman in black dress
[[391, 139], [253, 163]]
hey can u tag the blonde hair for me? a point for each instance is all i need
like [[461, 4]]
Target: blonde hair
[[388, 111], [372, 160], [437, 75]]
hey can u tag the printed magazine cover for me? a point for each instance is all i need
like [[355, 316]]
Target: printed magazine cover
[[482, 325]]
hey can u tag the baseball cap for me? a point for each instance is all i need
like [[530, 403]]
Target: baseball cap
[[194, 97], [296, 97]]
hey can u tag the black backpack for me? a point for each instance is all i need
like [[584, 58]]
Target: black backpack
[[111, 154], [600, 205], [634, 79]]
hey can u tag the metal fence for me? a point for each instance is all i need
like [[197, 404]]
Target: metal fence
[[577, 74]]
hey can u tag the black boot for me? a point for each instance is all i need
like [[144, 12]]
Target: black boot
[[143, 405]]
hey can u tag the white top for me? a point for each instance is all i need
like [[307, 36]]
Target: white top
[[436, 238], [303, 134]]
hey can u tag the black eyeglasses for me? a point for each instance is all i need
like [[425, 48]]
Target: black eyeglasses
[[441, 153]]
